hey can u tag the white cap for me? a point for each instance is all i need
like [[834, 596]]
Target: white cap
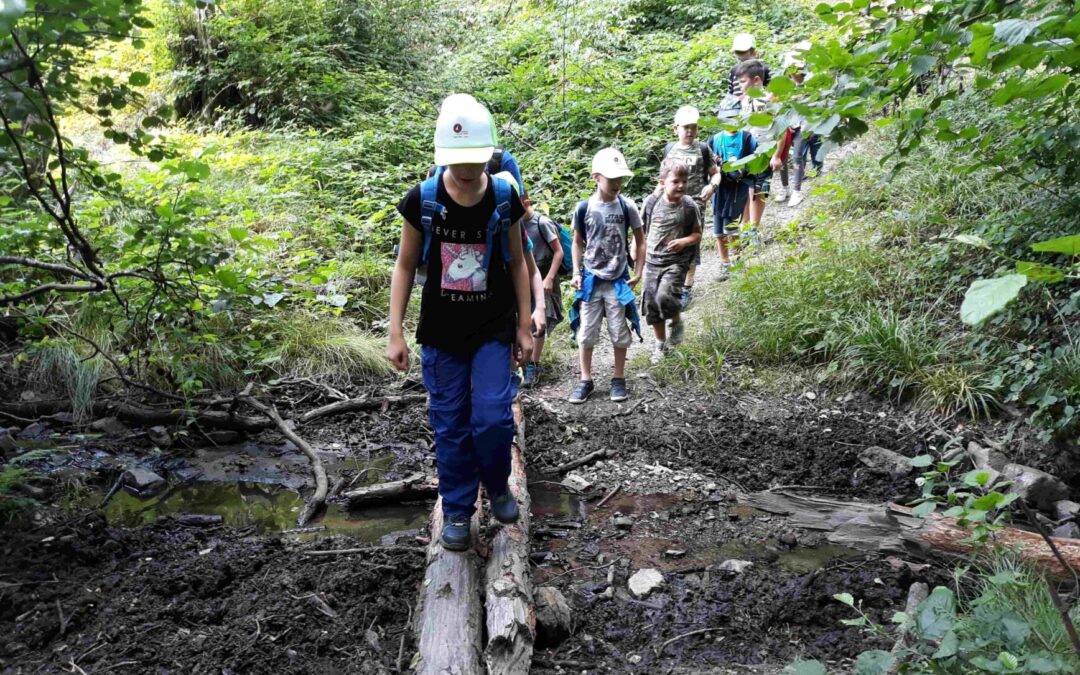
[[464, 132], [743, 42], [610, 163], [791, 60], [687, 114]]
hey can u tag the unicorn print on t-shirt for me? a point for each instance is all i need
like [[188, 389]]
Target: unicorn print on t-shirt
[[463, 268]]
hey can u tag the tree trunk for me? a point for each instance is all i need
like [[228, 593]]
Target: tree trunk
[[511, 613], [891, 529], [450, 620]]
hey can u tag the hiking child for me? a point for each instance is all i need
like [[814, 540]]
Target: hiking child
[[805, 143], [548, 254], [673, 223], [536, 281], [605, 287], [474, 313], [699, 160], [750, 75], [745, 49], [732, 188]]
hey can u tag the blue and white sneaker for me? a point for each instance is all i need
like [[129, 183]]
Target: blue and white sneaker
[[455, 533], [532, 375]]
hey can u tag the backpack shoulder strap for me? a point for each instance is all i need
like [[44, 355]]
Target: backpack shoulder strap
[[579, 218], [429, 206], [647, 210], [499, 222], [667, 150], [705, 156]]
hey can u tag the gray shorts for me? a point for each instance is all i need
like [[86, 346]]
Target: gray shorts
[[604, 304], [663, 292], [553, 309]]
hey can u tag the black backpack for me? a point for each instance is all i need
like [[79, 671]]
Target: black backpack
[[705, 155]]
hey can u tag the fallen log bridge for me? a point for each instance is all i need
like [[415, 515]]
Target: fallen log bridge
[[891, 529], [486, 590]]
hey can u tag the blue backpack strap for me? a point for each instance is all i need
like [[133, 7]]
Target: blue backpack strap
[[499, 222], [429, 206], [579, 218]]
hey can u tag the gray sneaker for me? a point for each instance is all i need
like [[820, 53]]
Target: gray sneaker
[[618, 389], [582, 391]]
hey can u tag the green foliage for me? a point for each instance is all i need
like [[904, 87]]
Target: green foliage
[[331, 350], [1010, 625], [10, 476]]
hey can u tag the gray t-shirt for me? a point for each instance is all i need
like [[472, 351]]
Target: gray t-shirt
[[666, 223], [691, 157], [544, 234], [605, 231]]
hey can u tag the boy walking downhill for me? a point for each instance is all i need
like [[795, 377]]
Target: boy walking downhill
[[805, 143], [732, 187], [751, 75], [698, 159], [674, 227], [548, 252], [605, 288], [474, 313]]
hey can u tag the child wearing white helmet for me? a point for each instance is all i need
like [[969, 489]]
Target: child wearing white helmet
[[474, 313]]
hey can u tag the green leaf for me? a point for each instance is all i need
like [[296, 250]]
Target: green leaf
[[874, 662], [845, 598], [1008, 660], [1069, 245], [195, 171], [805, 668], [781, 85], [761, 119], [988, 502], [227, 278], [1012, 32], [238, 232], [976, 478], [922, 461], [920, 65], [858, 621], [1040, 272], [937, 614], [987, 297], [950, 646], [924, 509], [138, 79]]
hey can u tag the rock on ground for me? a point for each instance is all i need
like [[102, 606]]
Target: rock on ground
[[645, 582], [142, 480], [1037, 488], [554, 620], [986, 458], [886, 461]]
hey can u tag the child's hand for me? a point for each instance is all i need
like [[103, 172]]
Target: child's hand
[[523, 345], [398, 353], [776, 163], [549, 285], [707, 191], [539, 322], [576, 281], [633, 282], [676, 245]]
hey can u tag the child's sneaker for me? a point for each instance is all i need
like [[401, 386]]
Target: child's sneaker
[[684, 301], [618, 389], [796, 198], [455, 533], [532, 375], [780, 195], [582, 391], [505, 508], [675, 334], [659, 351]]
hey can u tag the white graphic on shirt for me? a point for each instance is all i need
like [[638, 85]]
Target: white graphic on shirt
[[463, 267]]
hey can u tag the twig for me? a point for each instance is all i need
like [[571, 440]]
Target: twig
[[580, 461], [358, 404], [609, 496], [321, 487], [1062, 609], [370, 549], [401, 644], [577, 569], [685, 635]]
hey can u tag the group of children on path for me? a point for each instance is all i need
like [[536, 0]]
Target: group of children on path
[[491, 264]]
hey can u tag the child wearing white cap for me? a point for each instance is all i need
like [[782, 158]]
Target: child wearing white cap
[[605, 288], [474, 313], [745, 48], [698, 158]]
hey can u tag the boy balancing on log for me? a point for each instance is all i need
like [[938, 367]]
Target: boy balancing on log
[[474, 312]]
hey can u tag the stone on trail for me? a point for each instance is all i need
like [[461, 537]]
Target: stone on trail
[[142, 480], [1037, 488], [622, 522], [7, 443], [1066, 509], [881, 460], [986, 458], [645, 582], [576, 482], [554, 620], [159, 436], [735, 566], [1067, 531], [109, 426]]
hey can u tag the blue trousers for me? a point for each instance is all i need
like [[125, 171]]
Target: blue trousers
[[469, 410]]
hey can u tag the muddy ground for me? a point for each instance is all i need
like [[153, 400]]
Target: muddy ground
[[83, 590]]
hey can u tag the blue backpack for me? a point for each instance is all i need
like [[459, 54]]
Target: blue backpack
[[566, 242], [497, 225]]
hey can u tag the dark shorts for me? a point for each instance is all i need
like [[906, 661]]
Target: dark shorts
[[762, 182], [663, 292]]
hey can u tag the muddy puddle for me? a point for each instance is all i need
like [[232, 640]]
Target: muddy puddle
[[263, 508]]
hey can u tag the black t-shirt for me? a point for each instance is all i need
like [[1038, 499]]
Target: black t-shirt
[[463, 305]]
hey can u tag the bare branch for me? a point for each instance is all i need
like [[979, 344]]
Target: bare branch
[[43, 265], [60, 288]]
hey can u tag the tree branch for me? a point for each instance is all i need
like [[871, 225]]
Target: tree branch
[[43, 265]]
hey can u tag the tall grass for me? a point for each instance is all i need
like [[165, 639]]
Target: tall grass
[[71, 368], [328, 348]]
